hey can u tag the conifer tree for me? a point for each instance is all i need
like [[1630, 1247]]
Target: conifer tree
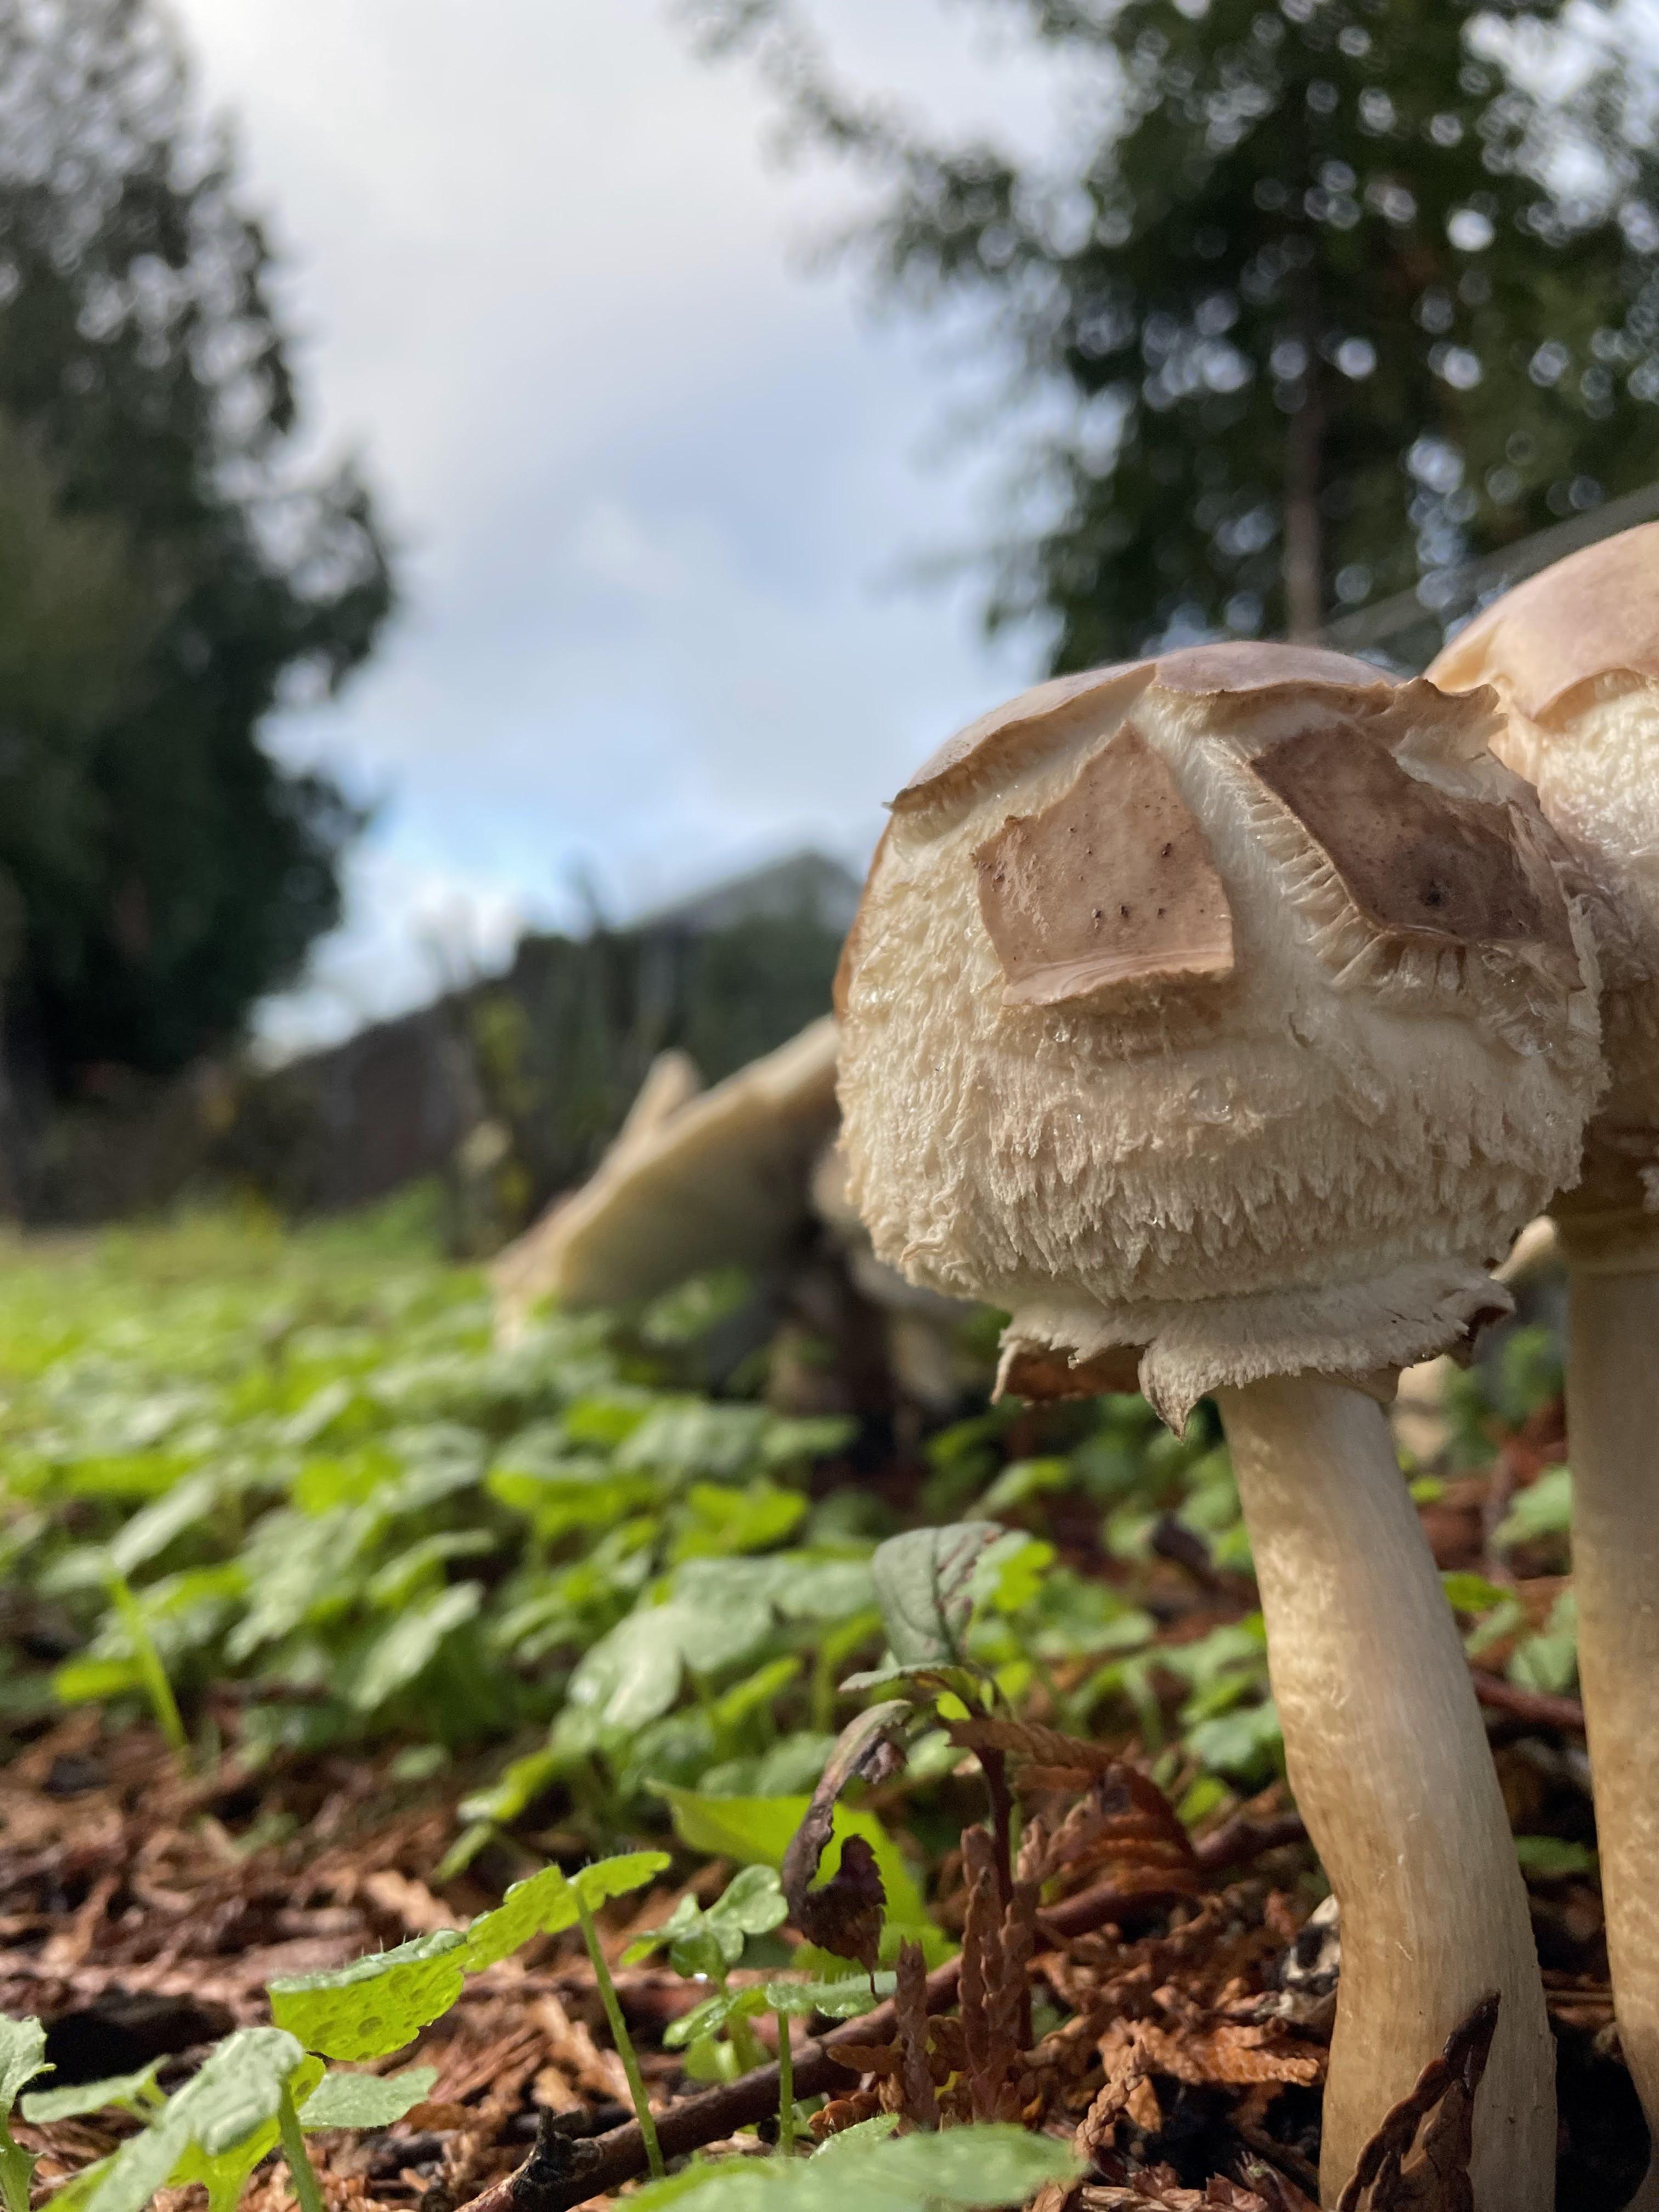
[[168, 575], [1337, 293]]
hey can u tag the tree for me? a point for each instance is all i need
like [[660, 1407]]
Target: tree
[[1336, 299], [166, 575]]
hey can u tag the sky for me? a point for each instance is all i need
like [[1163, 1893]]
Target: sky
[[661, 490]]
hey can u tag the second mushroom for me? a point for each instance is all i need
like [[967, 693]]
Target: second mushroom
[[1225, 1013]]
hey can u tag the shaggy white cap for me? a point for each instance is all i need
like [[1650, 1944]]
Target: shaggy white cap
[[1574, 654], [1228, 1007]]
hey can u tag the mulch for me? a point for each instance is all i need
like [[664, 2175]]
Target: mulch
[[1183, 2039]]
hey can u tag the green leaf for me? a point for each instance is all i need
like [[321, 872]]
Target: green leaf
[[1023, 1479], [547, 1903], [1008, 1575], [697, 1949], [377, 2004], [759, 1831], [706, 1942], [1550, 1857], [405, 1650], [132, 2093], [22, 2057], [846, 1999], [924, 1586], [758, 1692], [751, 1902], [712, 2015], [1549, 1661], [879, 2172], [791, 1440], [224, 2174], [366, 2101], [1247, 1746], [517, 1786], [718, 1522], [633, 1674], [1544, 1509], [975, 2166], [1474, 1593], [423, 1561], [235, 2094], [720, 1443]]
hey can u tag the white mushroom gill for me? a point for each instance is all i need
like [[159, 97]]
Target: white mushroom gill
[[1227, 1012]]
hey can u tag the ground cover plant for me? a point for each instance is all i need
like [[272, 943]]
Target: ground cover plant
[[655, 1731]]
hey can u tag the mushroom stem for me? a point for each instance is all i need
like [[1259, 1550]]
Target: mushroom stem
[[1612, 1412], [1392, 1772]]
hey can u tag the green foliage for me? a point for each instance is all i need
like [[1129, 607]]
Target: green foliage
[[128, 2093], [708, 1944], [879, 2171], [366, 2101], [316, 1472], [377, 2004], [168, 573], [1549, 1660], [296, 1454], [1554, 1858], [1305, 298], [204, 2133], [842, 1999], [22, 2059], [218, 2127], [1541, 1511], [550, 1902], [758, 1832]]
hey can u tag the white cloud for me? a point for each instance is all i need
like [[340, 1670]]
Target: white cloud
[[653, 482]]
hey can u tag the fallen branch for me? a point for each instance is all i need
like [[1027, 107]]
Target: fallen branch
[[554, 2179], [1536, 1707]]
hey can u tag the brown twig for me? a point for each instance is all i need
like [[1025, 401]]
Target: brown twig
[[1537, 1706], [993, 1765], [711, 2116], [557, 2165]]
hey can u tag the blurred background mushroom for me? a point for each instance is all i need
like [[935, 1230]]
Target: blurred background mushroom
[[748, 1175]]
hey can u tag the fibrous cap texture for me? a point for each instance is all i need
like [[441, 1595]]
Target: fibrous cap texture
[[1573, 652], [1228, 1007]]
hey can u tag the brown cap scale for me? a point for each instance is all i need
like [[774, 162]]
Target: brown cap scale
[[1574, 654], [1228, 1008]]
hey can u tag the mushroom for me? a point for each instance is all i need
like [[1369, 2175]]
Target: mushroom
[[720, 1177], [1227, 1009], [524, 1271], [1574, 653]]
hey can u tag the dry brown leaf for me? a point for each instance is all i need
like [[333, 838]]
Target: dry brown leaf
[[408, 1901], [994, 1983], [1419, 2159], [844, 1914], [920, 2104]]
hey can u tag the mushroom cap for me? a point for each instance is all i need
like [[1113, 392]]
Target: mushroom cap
[[722, 1178], [1574, 653], [1574, 623], [1229, 1005], [523, 1271]]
